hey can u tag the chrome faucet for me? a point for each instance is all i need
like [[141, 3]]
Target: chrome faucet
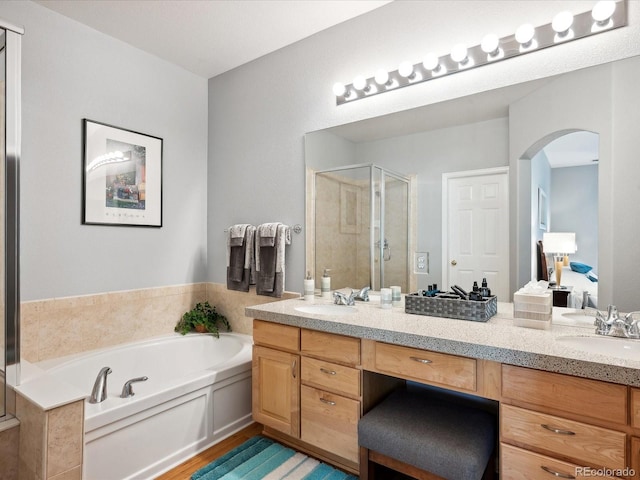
[[127, 388], [363, 294], [615, 326], [99, 392], [340, 298]]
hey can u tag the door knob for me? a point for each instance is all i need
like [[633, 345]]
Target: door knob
[[454, 263]]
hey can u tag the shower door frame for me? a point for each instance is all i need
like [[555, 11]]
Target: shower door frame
[[311, 210], [13, 137]]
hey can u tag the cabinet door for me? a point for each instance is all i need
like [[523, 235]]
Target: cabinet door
[[276, 389]]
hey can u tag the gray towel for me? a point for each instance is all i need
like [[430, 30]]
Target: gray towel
[[270, 262], [241, 260]]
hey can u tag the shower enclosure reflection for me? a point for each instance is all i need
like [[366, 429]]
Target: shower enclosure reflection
[[362, 227]]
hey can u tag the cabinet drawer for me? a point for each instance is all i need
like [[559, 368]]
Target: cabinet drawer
[[582, 396], [275, 335], [518, 464], [635, 407], [332, 347], [426, 366], [330, 422], [330, 376], [578, 441]]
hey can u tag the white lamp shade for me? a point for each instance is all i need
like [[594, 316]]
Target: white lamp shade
[[559, 242]]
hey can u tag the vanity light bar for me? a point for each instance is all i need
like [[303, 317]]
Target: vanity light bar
[[565, 27]]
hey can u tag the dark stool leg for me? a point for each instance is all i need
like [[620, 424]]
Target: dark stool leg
[[367, 471]]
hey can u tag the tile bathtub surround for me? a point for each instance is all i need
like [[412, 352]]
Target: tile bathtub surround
[[9, 440], [63, 326], [231, 304], [50, 444]]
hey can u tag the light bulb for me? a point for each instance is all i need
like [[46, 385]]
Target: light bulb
[[431, 61], [490, 44], [339, 89], [381, 77], [459, 53], [359, 83], [405, 70], [603, 11], [525, 33], [562, 22]]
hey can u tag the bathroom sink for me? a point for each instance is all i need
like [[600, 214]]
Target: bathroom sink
[[327, 309], [578, 318], [625, 348]]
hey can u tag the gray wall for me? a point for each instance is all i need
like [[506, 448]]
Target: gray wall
[[259, 112], [574, 208], [71, 72], [540, 178]]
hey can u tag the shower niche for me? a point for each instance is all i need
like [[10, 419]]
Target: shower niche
[[359, 222]]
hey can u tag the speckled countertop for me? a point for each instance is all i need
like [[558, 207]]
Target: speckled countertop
[[498, 339]]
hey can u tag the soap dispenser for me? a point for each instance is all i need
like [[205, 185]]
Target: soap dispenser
[[309, 288], [325, 287]]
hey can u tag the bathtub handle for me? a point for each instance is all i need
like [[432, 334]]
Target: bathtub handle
[[127, 389], [293, 369]]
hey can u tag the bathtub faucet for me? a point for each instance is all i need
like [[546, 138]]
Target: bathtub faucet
[[99, 392], [127, 389]]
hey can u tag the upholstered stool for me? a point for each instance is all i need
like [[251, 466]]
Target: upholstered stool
[[427, 438]]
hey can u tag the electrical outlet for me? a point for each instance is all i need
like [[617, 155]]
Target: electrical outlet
[[421, 263]]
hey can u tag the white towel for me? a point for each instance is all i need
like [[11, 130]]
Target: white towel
[[236, 234], [267, 233]]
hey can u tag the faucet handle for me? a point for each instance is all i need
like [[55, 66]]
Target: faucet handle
[[634, 325], [127, 388]]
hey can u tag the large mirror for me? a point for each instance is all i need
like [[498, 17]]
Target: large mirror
[[528, 130]]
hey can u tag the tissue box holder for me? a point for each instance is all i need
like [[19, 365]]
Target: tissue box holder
[[532, 310], [451, 307]]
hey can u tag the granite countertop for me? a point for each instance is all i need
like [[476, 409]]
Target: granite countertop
[[498, 339]]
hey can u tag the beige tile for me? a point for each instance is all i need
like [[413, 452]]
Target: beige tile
[[32, 437], [60, 334], [73, 474], [64, 433], [9, 441]]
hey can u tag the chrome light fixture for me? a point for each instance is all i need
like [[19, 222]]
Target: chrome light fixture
[[565, 26]]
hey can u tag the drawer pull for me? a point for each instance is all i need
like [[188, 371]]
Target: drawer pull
[[556, 474], [421, 360], [328, 402], [328, 372], [557, 430], [293, 369]]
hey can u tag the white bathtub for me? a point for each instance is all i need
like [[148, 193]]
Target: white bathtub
[[198, 392]]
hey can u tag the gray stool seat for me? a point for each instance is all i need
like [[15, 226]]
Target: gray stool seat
[[447, 439]]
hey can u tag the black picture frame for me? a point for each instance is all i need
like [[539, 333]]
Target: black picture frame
[[122, 176]]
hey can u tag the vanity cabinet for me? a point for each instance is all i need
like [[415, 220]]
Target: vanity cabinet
[[307, 385], [560, 424]]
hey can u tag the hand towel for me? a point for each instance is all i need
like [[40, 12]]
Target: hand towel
[[267, 234], [270, 262], [237, 234], [240, 259]]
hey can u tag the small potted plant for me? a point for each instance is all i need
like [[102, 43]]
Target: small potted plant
[[202, 318]]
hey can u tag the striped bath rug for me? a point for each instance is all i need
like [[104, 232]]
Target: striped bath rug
[[262, 458]]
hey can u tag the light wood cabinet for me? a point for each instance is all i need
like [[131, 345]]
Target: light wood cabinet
[[425, 366], [307, 385], [565, 424], [635, 455], [584, 443], [276, 389], [519, 464], [635, 407]]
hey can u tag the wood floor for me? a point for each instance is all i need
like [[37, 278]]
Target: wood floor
[[186, 469]]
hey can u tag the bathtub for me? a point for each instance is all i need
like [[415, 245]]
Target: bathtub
[[197, 393]]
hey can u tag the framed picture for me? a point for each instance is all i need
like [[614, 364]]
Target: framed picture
[[122, 173], [543, 210]]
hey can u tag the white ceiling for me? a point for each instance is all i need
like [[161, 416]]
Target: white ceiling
[[209, 37]]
